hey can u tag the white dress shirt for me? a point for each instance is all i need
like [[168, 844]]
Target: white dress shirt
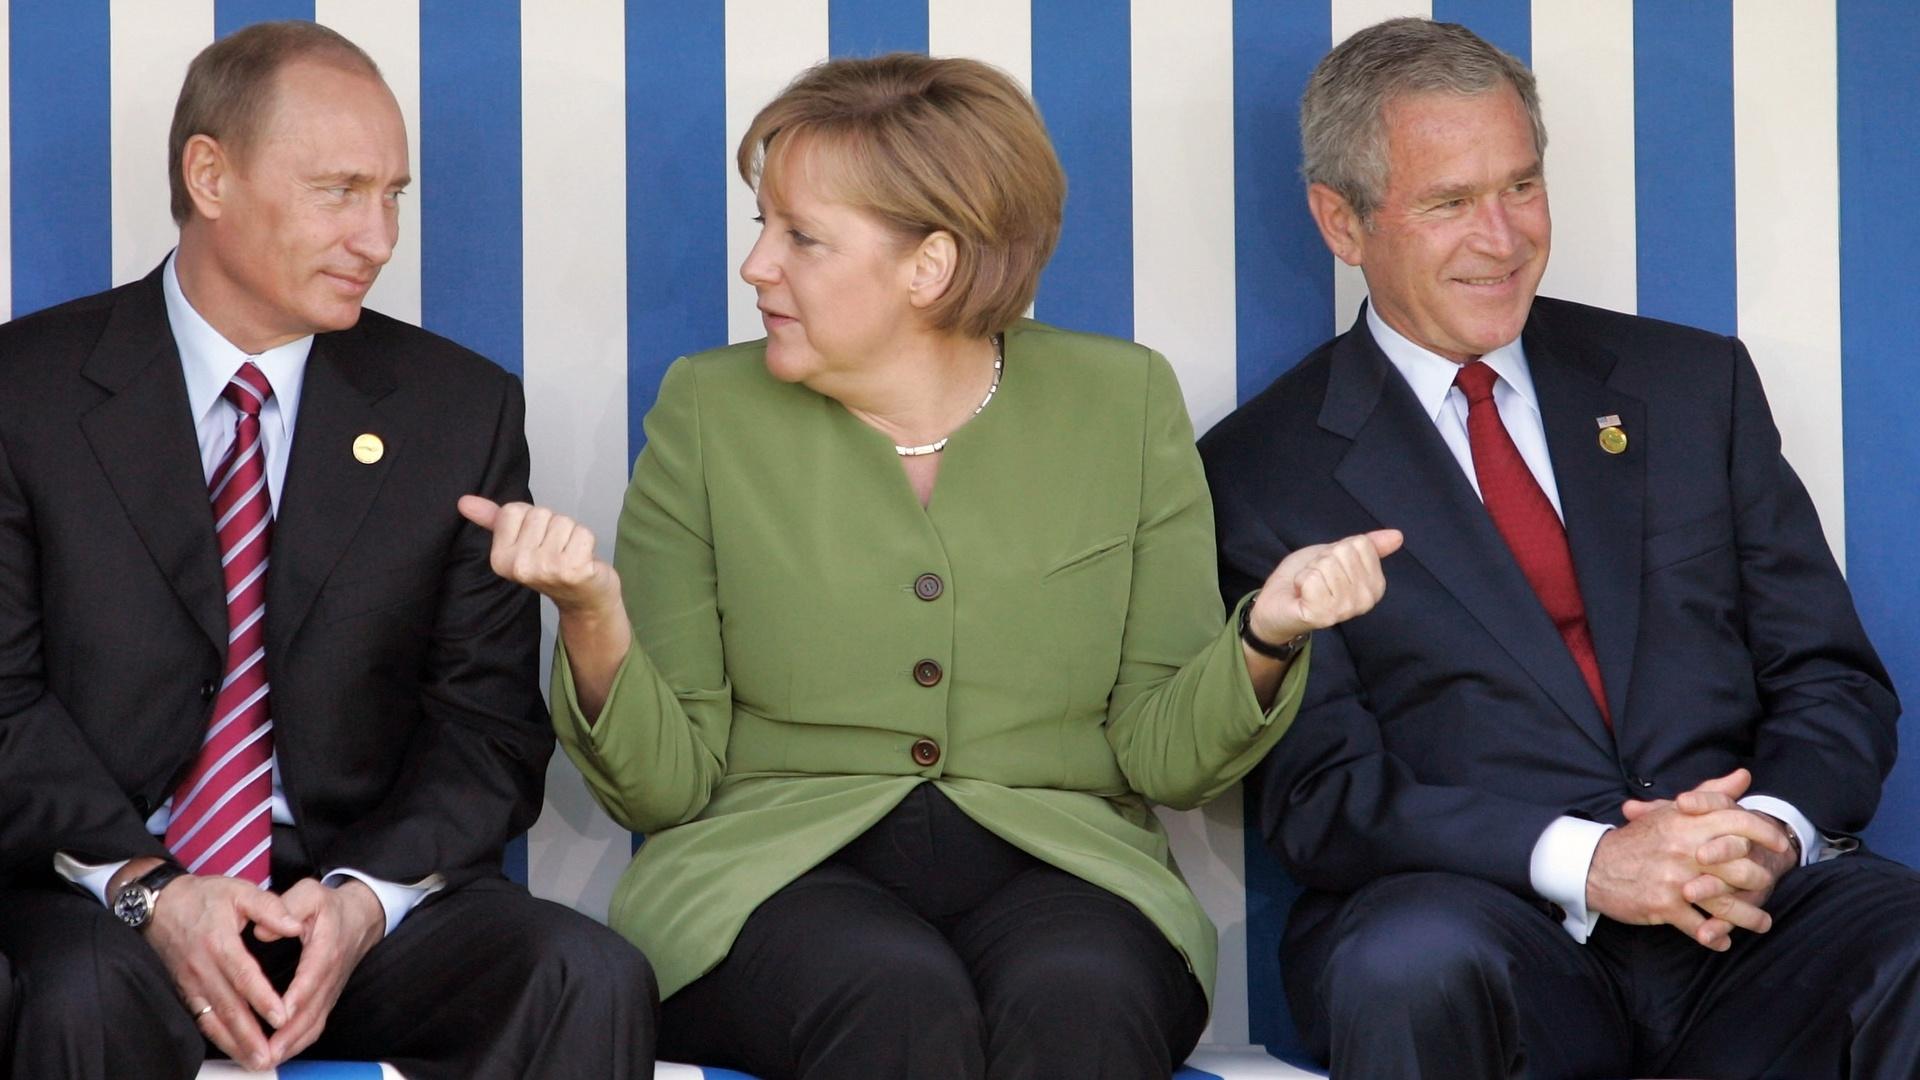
[[209, 362], [1564, 851]]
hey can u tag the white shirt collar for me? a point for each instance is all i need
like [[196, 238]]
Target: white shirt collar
[[1431, 375], [209, 360]]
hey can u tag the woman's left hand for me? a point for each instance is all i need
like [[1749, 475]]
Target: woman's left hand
[[1323, 584]]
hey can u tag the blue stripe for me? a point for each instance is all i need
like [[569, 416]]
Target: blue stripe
[[1683, 162], [1284, 308], [677, 271], [872, 27], [1283, 273], [1879, 123], [471, 277], [231, 15], [1188, 1072], [513, 861], [1083, 80], [62, 190], [1506, 23], [329, 1070]]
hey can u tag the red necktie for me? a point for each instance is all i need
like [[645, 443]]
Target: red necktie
[[1527, 522], [222, 813]]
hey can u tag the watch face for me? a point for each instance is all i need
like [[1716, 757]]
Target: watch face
[[134, 905]]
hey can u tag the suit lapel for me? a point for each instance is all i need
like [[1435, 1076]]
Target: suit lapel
[[1400, 469], [1602, 495], [327, 492], [143, 437]]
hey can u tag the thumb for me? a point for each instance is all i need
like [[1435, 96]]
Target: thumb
[[1733, 785], [481, 511], [1386, 541]]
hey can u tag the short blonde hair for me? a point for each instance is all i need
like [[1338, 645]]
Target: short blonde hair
[[926, 145]]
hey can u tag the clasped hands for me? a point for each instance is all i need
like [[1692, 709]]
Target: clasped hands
[[1700, 863], [196, 927]]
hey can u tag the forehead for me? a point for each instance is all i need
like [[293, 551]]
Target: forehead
[[325, 109], [1435, 138]]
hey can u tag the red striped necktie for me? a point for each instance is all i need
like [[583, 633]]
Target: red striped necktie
[[222, 812], [1525, 518]]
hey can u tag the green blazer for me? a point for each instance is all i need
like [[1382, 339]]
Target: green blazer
[[779, 700]]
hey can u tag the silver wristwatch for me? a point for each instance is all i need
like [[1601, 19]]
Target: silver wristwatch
[[133, 904]]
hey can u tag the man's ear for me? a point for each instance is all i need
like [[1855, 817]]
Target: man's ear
[[934, 263], [1340, 227], [207, 168]]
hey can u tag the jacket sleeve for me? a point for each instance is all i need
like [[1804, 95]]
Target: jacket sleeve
[[474, 774], [55, 794], [654, 754], [1183, 720], [1826, 735], [1336, 806]]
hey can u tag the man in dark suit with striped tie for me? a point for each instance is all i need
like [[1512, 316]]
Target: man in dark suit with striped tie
[[267, 717], [1578, 798]]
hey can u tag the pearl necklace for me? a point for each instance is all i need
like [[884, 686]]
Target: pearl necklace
[[941, 444]]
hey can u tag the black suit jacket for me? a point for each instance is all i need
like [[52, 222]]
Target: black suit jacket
[[408, 726], [1448, 727]]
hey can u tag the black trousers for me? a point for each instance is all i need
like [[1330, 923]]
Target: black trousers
[[930, 948], [1437, 975], [483, 981]]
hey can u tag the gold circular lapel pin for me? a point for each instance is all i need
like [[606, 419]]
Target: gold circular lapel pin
[[1612, 439], [368, 448]]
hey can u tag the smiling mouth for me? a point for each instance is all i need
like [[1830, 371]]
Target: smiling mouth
[[1483, 281]]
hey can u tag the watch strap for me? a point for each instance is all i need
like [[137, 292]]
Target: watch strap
[[1283, 651]]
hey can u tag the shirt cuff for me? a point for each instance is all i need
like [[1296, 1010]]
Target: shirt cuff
[[93, 877], [1558, 870], [396, 900], [1803, 830]]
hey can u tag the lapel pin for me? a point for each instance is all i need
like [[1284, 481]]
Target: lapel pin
[[368, 448], [1612, 439]]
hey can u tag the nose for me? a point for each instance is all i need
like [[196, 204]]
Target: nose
[[759, 269], [375, 231], [1494, 228]]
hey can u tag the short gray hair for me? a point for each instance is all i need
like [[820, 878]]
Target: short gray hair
[[1343, 135]]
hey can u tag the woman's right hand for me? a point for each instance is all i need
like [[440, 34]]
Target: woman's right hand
[[550, 553]]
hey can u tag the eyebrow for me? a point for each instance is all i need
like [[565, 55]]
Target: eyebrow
[[1448, 191], [356, 179]]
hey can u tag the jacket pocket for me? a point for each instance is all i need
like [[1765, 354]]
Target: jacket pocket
[[1682, 542], [1080, 559]]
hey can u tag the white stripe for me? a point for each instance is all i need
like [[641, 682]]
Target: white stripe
[[997, 31], [252, 737], [215, 729], [245, 500], [6, 155], [230, 466], [258, 850], [1183, 242], [244, 385], [252, 576], [149, 47], [246, 624], [1346, 17], [231, 793], [389, 31], [574, 141], [252, 658], [1583, 57], [241, 545], [768, 43], [221, 843], [1787, 232]]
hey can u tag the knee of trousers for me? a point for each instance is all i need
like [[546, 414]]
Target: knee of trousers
[[587, 960], [1415, 951], [896, 987], [120, 999], [1096, 985]]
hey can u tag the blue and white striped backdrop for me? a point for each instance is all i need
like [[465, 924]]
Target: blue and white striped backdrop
[[1744, 165]]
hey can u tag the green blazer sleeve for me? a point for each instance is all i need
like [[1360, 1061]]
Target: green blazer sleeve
[[1184, 727], [659, 749]]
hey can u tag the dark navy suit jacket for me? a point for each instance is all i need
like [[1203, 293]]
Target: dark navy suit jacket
[[1448, 727]]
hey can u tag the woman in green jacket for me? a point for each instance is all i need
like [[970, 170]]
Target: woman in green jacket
[[912, 619]]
